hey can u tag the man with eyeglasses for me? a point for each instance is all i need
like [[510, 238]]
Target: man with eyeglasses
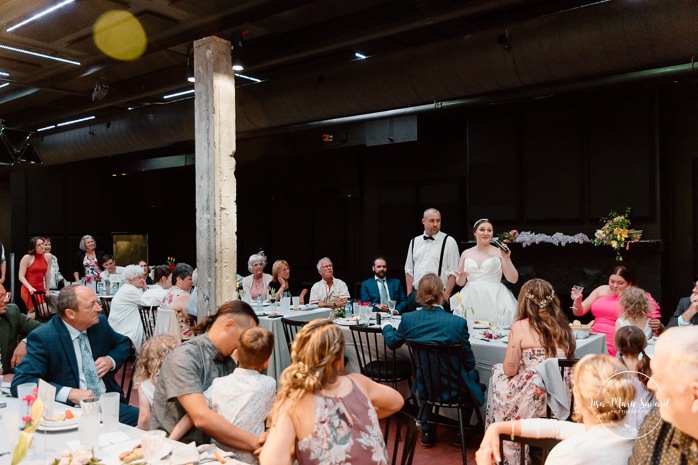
[[329, 292], [686, 313], [13, 325]]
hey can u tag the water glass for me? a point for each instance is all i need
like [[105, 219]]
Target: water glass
[[365, 315], [296, 303], [10, 425], [391, 309], [285, 304], [109, 403], [88, 423], [153, 443], [24, 390]]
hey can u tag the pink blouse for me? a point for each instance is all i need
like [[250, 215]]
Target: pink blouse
[[605, 310]]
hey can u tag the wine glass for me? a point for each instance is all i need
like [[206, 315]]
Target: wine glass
[[391, 309], [153, 443], [576, 294]]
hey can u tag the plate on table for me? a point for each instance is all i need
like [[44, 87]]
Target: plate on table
[[59, 422], [346, 321], [126, 446], [481, 324]]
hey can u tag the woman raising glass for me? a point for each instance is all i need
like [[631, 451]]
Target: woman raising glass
[[604, 304], [282, 282], [34, 272], [480, 273]]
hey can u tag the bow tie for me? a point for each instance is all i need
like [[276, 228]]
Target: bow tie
[[428, 238]]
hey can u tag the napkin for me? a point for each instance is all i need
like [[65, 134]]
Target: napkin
[[185, 454], [207, 453]]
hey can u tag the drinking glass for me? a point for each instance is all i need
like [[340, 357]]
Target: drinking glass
[[296, 303], [109, 403], [24, 390], [10, 425], [391, 309], [285, 304], [365, 316], [88, 423], [153, 442], [576, 293]]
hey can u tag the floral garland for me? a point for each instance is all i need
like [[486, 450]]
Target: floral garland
[[527, 238]]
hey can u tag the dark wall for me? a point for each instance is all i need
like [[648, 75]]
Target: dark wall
[[554, 165]]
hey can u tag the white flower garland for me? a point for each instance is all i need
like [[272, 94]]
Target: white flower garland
[[527, 238]]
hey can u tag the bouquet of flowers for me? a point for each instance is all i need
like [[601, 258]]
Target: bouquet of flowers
[[616, 232], [171, 262], [509, 236]]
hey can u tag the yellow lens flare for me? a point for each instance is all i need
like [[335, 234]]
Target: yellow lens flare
[[120, 35]]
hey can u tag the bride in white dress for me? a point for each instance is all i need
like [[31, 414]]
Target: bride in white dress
[[480, 273]]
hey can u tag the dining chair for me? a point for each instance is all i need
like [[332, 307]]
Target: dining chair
[[543, 445], [376, 360], [440, 384], [106, 304], [132, 360], [291, 328], [406, 432], [41, 307], [565, 365], [149, 316]]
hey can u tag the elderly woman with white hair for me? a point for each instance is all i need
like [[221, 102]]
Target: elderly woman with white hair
[[123, 315], [88, 261], [258, 282]]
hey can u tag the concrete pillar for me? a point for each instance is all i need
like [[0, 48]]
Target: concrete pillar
[[216, 213]]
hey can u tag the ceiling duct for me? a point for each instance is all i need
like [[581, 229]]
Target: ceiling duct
[[590, 42]]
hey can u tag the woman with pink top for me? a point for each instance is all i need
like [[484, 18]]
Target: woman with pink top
[[604, 304]]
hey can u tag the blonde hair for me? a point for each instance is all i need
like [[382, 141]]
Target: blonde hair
[[538, 303], [317, 360], [255, 347], [602, 387], [277, 267], [153, 352], [430, 291], [635, 306]]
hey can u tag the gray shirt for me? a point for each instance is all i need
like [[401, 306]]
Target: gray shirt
[[188, 369]]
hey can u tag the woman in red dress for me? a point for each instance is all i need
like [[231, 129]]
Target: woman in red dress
[[34, 272]]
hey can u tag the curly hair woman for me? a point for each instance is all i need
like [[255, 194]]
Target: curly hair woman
[[319, 413], [541, 331]]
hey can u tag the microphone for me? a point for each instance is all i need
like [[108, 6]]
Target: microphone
[[495, 243]]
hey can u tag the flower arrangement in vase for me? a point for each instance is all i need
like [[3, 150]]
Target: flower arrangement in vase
[[616, 232]]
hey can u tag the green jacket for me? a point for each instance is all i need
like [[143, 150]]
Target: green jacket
[[14, 326]]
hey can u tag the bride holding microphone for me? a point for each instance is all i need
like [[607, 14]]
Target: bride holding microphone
[[480, 273]]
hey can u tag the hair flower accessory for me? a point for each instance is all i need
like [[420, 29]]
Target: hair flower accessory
[[541, 303]]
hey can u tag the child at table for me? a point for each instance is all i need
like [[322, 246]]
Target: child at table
[[150, 358], [244, 397], [630, 343]]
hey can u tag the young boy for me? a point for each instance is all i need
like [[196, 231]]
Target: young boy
[[244, 397]]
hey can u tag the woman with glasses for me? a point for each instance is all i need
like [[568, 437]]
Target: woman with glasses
[[258, 282], [34, 272]]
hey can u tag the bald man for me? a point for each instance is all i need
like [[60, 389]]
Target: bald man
[[669, 434]]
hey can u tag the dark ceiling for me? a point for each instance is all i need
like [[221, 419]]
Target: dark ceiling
[[287, 38]]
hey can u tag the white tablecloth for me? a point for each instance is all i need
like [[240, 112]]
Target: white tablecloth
[[49, 445], [280, 357], [166, 323]]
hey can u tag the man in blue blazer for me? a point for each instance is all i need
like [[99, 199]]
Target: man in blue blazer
[[77, 352], [371, 288], [431, 324]]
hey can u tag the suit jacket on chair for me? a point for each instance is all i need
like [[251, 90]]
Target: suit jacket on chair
[[51, 356], [371, 293], [437, 326], [684, 303]]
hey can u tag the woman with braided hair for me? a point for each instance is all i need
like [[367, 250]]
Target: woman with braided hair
[[321, 415], [541, 331], [630, 342], [603, 394]]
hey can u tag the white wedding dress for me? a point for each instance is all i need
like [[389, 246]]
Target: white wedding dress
[[484, 293]]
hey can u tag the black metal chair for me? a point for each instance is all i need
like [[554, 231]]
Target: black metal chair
[[543, 445], [439, 375], [133, 360], [376, 360], [41, 306], [291, 328], [406, 432], [565, 364], [106, 304], [149, 317]]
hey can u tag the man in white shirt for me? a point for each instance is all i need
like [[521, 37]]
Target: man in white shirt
[[329, 292], [686, 313], [111, 273], [433, 252]]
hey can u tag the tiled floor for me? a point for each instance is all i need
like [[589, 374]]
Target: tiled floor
[[443, 452]]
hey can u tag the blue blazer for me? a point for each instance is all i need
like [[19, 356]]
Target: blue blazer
[[437, 326], [51, 357], [370, 293]]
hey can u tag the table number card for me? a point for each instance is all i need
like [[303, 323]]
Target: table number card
[[47, 393]]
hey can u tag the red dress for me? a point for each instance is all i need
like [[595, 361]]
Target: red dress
[[35, 274]]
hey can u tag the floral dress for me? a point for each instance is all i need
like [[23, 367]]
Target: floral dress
[[346, 431], [517, 397], [172, 295]]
